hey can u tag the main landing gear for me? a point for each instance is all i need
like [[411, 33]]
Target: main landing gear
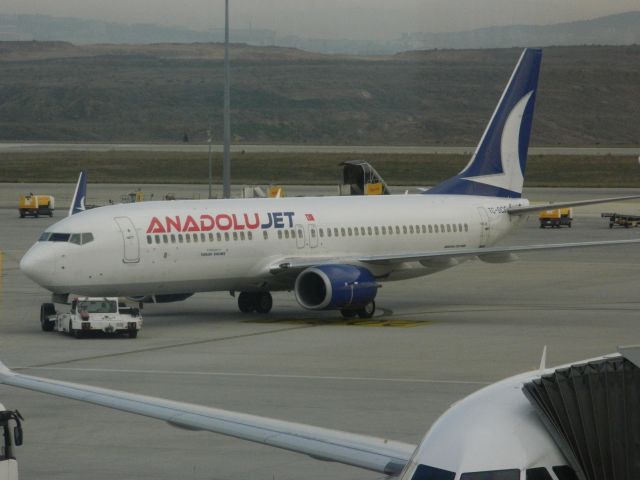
[[365, 312], [260, 302]]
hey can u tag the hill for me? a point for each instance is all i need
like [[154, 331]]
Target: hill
[[155, 93]]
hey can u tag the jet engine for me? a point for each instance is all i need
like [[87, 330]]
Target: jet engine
[[331, 287], [166, 298]]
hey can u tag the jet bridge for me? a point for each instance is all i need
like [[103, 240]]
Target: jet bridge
[[592, 410], [360, 178]]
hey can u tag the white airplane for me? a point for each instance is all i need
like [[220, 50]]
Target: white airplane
[[333, 252], [496, 433]]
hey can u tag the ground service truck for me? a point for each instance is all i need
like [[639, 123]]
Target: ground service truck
[[92, 314], [10, 437]]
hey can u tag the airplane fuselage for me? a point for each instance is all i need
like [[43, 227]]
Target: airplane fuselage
[[190, 246]]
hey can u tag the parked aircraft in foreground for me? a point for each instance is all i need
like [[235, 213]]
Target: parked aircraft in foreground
[[496, 433], [333, 252]]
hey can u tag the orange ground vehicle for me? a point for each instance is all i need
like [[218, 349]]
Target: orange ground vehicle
[[36, 205]]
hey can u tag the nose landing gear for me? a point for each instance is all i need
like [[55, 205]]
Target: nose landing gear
[[260, 302]]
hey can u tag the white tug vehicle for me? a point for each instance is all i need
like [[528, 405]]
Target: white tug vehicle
[[92, 314], [9, 439]]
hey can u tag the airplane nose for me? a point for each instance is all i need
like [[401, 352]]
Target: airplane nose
[[39, 264]]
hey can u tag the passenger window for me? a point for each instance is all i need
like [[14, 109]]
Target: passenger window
[[430, 228], [435, 228], [442, 227], [235, 236], [313, 232], [390, 230], [540, 473], [293, 234], [342, 232], [376, 231], [513, 474], [226, 236], [459, 227], [265, 235], [301, 233], [250, 235], [219, 237], [195, 237], [328, 232], [384, 230], [404, 229], [241, 235], [565, 472], [466, 227], [279, 234], [173, 238], [211, 237], [356, 231], [426, 472], [335, 232], [455, 229], [165, 238], [397, 230], [187, 237], [322, 233], [202, 237], [410, 228], [157, 238], [362, 231], [149, 241], [180, 237], [448, 228], [369, 231], [75, 238], [286, 234]]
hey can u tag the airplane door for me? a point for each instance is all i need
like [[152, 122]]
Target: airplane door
[[131, 253], [313, 236], [484, 226], [299, 236]]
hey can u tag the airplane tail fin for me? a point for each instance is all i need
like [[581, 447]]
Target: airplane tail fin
[[79, 196], [497, 167]]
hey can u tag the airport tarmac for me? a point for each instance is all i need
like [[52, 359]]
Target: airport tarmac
[[433, 341]]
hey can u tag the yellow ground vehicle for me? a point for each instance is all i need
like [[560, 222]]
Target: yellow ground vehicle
[[556, 218], [36, 205]]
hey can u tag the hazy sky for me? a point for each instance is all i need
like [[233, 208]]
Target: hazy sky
[[356, 19]]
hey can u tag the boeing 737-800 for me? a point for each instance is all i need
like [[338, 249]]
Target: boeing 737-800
[[333, 252]]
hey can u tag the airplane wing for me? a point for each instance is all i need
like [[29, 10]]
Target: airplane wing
[[579, 203], [371, 453], [488, 253]]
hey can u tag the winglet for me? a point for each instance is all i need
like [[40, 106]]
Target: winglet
[[77, 204], [543, 360], [4, 371]]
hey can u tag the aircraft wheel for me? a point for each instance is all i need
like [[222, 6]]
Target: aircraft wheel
[[133, 333], [246, 303], [348, 313], [47, 309], [367, 311], [263, 302]]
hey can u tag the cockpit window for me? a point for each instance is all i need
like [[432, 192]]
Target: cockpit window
[[492, 475], [76, 238], [426, 472], [59, 237], [565, 472], [540, 473]]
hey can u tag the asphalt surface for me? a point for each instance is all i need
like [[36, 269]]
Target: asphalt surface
[[433, 341], [25, 147]]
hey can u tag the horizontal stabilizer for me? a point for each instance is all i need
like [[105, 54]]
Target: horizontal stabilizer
[[579, 203]]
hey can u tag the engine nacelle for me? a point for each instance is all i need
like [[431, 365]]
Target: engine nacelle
[[329, 287], [166, 298]]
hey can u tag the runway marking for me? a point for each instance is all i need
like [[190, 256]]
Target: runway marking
[[261, 375], [166, 347], [350, 322]]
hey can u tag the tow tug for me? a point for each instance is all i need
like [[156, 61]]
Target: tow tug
[[92, 314], [621, 219], [9, 438]]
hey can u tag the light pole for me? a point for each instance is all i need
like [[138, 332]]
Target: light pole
[[226, 162]]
